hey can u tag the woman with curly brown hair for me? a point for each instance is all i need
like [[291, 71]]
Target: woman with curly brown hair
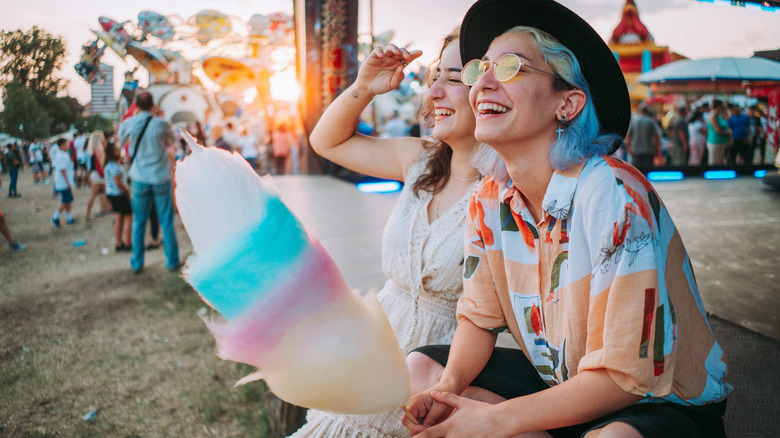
[[423, 239]]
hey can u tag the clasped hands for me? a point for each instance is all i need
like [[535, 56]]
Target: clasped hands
[[444, 414]]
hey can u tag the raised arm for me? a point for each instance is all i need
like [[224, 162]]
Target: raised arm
[[334, 136]]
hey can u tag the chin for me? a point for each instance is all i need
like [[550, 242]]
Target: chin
[[485, 137], [440, 134]]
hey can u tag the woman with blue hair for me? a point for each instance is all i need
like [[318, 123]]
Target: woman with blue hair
[[569, 250]]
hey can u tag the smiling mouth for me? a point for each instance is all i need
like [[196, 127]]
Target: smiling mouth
[[443, 112], [491, 108]]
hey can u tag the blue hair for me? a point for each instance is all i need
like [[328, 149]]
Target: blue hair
[[582, 137]]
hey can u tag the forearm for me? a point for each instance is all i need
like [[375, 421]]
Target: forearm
[[470, 351], [587, 396], [340, 119]]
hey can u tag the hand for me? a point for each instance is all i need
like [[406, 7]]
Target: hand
[[470, 419], [383, 70], [425, 408]]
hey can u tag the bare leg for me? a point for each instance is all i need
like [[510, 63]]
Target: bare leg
[[105, 206], [118, 225], [128, 231], [91, 200], [614, 430], [4, 230], [424, 371]]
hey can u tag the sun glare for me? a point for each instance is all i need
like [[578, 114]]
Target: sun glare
[[284, 86]]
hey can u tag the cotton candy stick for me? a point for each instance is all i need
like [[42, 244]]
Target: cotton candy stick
[[286, 307]]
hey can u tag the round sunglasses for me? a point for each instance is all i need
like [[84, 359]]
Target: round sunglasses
[[504, 69]]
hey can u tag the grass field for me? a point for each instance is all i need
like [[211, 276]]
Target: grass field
[[79, 333]]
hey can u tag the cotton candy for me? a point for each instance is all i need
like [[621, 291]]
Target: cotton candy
[[286, 307]]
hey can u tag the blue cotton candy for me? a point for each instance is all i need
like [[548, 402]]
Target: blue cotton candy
[[243, 269]]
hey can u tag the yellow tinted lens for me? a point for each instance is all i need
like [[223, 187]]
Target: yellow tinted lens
[[471, 72], [507, 67]]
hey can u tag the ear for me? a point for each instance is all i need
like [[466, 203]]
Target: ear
[[572, 103]]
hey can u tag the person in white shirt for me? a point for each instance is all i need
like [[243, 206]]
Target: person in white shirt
[[79, 146], [247, 146], [63, 184], [36, 161]]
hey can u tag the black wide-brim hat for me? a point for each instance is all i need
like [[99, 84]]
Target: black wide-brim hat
[[487, 19]]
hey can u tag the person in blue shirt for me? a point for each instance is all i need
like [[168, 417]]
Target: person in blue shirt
[[739, 123]]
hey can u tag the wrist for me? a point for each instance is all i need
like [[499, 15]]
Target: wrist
[[450, 384], [360, 92]]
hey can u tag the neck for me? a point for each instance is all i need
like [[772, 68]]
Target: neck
[[530, 170], [460, 163]]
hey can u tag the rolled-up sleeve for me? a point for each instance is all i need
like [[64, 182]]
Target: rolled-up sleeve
[[631, 331]]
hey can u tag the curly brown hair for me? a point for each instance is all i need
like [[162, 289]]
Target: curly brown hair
[[437, 169]]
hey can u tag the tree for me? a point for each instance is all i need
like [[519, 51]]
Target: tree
[[30, 59], [64, 111], [23, 116], [95, 122]]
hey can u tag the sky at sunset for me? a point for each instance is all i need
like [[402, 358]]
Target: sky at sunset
[[693, 29]]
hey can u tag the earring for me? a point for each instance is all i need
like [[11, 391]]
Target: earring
[[561, 124]]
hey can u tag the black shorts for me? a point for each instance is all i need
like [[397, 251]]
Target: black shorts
[[509, 374], [120, 204]]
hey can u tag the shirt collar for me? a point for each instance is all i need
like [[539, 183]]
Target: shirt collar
[[558, 197]]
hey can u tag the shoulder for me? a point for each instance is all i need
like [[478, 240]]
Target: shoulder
[[486, 192], [411, 154]]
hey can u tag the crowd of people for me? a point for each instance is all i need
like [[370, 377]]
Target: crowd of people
[[102, 162], [713, 133]]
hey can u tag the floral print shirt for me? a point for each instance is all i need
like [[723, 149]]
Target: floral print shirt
[[603, 281]]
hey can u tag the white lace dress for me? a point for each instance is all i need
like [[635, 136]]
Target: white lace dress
[[424, 265]]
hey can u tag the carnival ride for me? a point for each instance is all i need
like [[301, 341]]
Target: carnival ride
[[209, 57]]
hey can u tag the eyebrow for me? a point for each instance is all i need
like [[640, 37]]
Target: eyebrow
[[450, 69], [485, 58]]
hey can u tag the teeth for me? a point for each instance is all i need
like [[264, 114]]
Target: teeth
[[444, 112], [491, 108]]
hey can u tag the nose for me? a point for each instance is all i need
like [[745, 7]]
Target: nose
[[488, 78], [436, 91]]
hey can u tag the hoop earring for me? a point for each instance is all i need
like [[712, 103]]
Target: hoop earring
[[561, 125]]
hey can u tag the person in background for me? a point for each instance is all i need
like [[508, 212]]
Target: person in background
[[643, 141], [118, 194], [739, 122], [247, 146], [36, 161], [95, 159], [718, 133], [230, 135], [571, 251], [757, 137], [80, 162], [13, 160], [199, 133], [678, 131], [64, 181], [697, 133], [282, 141], [46, 150], [219, 139], [150, 171], [395, 126]]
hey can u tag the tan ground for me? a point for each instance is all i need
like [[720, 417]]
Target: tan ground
[[80, 332]]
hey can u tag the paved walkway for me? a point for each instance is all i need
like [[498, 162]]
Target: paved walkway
[[731, 229]]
